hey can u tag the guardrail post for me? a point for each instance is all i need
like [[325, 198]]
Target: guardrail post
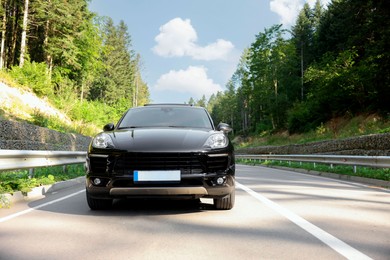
[[31, 173], [354, 168]]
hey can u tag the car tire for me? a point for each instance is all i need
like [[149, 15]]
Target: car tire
[[225, 203], [98, 204]]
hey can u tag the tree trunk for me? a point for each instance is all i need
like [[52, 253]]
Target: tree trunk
[[302, 90], [49, 59], [3, 35], [24, 32], [15, 15]]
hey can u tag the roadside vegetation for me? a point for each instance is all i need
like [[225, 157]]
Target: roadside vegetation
[[336, 128], [365, 172], [22, 180]]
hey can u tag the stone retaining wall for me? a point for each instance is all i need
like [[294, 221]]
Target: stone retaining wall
[[371, 145], [23, 136]]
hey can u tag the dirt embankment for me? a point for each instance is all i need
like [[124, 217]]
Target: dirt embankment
[[14, 135]]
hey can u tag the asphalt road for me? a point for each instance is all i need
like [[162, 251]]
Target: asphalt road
[[278, 215]]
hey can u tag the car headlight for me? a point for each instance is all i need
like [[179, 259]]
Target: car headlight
[[102, 140], [216, 141]]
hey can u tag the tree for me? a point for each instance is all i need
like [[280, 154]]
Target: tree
[[191, 101], [24, 32], [267, 59], [202, 102], [336, 62], [140, 91], [120, 82], [63, 51], [13, 9], [3, 10], [360, 27], [89, 43], [304, 34]]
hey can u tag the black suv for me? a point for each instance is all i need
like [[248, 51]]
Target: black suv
[[162, 151]]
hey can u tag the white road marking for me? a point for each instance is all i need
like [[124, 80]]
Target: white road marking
[[312, 175], [20, 213], [333, 242]]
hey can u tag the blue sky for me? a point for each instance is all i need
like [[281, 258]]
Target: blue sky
[[190, 48]]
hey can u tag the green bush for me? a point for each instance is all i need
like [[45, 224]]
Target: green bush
[[4, 201], [300, 118], [306, 116], [35, 76], [51, 122], [21, 181], [94, 112], [40, 119]]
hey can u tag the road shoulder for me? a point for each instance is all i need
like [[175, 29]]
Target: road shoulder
[[40, 192]]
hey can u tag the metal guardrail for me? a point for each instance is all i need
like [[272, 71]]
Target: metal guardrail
[[25, 159], [369, 161]]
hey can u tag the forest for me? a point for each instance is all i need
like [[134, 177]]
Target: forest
[[69, 55], [333, 62]]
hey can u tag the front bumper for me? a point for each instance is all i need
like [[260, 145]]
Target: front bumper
[[160, 190], [199, 172]]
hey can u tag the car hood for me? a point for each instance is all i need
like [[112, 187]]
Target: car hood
[[160, 139]]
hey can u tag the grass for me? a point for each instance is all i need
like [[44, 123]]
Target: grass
[[366, 172], [20, 180]]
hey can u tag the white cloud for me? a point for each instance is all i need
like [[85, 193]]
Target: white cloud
[[214, 51], [288, 10], [193, 80], [175, 39], [178, 38]]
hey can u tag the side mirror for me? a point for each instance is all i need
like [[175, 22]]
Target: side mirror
[[108, 127], [225, 128]]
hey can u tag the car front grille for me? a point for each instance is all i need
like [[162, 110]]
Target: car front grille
[[188, 163], [98, 164]]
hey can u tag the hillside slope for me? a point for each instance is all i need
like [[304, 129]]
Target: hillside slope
[[16, 103]]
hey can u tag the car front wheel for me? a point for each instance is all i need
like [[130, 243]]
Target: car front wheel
[[225, 203], [98, 204]]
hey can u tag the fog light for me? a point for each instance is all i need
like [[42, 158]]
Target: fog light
[[220, 180], [97, 181]]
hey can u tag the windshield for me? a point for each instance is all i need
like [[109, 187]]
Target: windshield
[[166, 117]]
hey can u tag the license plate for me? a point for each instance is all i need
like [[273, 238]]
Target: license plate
[[157, 176]]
